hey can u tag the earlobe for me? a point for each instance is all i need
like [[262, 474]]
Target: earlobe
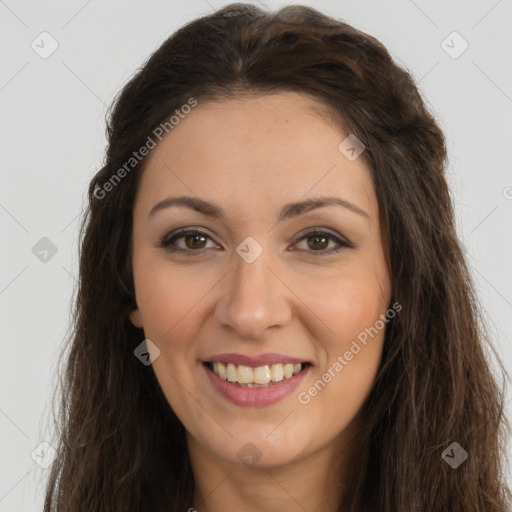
[[136, 318]]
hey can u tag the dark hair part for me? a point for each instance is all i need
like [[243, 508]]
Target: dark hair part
[[119, 450]]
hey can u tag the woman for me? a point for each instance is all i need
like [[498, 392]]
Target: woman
[[274, 311]]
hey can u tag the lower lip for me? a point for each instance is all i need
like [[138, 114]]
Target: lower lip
[[255, 397]]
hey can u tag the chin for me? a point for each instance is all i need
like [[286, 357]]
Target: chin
[[260, 450]]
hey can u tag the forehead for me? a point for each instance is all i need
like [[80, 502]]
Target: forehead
[[268, 149]]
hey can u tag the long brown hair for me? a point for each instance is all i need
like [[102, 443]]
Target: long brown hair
[[121, 447]]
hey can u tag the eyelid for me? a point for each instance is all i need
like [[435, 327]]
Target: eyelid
[[339, 239], [180, 232], [318, 229]]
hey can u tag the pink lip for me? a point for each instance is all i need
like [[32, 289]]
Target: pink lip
[[255, 397], [254, 361]]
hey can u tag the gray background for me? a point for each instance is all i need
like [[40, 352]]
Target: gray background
[[52, 122]]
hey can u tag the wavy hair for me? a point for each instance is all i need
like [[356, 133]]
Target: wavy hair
[[120, 445]]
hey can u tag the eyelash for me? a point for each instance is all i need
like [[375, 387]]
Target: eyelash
[[170, 239]]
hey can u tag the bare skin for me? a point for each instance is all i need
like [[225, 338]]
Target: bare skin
[[298, 298]]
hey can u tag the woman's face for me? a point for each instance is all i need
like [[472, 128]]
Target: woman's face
[[255, 289]]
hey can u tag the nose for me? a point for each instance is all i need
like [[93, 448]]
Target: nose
[[255, 298]]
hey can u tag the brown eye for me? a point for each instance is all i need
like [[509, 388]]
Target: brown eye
[[194, 241], [318, 242]]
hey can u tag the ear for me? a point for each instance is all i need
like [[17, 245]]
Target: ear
[[136, 318]]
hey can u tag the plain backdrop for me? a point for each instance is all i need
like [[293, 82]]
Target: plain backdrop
[[52, 139]]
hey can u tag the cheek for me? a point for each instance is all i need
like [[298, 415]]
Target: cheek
[[351, 357], [169, 297], [347, 301], [350, 304]]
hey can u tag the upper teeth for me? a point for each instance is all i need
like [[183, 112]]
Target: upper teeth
[[260, 375]]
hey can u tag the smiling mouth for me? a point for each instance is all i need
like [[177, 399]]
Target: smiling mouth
[[257, 377]]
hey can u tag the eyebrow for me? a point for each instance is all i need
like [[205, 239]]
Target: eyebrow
[[287, 211]]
